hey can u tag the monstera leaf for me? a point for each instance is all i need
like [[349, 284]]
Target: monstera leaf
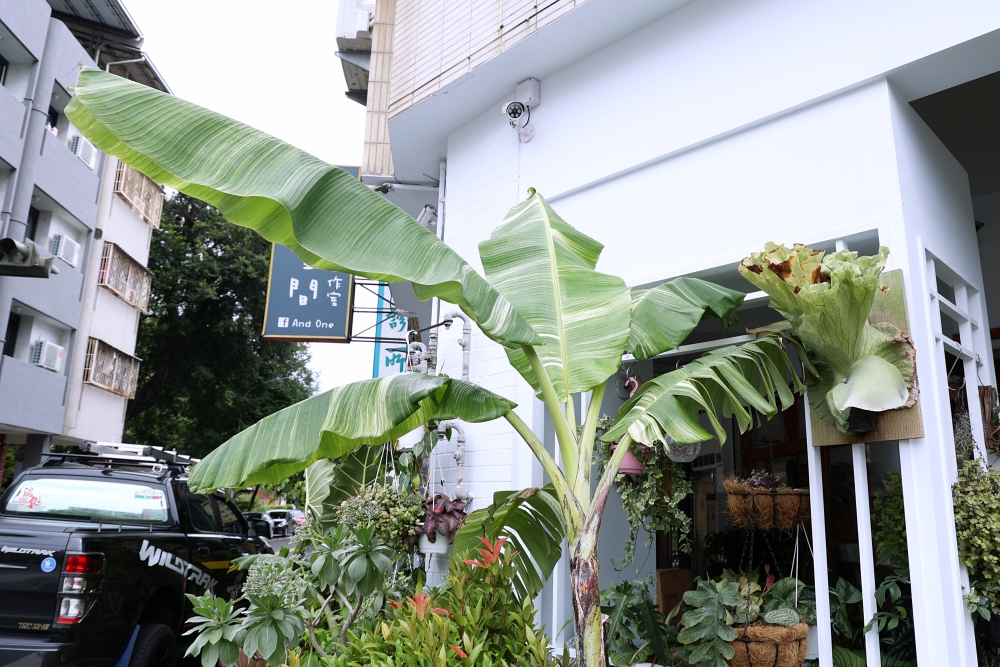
[[334, 423], [323, 214], [827, 301], [532, 520]]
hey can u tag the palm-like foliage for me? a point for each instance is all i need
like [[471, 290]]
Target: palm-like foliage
[[564, 324]]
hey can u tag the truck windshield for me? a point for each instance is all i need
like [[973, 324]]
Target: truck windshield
[[88, 498]]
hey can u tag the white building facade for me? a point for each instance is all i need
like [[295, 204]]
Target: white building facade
[[686, 134]]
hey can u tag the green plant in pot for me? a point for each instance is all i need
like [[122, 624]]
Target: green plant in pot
[[860, 367], [738, 622]]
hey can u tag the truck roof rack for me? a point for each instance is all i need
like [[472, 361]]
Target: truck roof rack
[[144, 456]]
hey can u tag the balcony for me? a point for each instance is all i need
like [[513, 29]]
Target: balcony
[[124, 277], [110, 369], [12, 113], [33, 396], [139, 192]]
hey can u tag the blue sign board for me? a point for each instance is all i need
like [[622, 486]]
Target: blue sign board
[[306, 304]]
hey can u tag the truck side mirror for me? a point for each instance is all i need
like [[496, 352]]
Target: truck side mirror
[[260, 527]]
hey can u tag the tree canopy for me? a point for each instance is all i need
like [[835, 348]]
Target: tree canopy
[[201, 341]]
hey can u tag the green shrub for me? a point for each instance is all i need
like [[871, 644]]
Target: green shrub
[[977, 519], [476, 621]]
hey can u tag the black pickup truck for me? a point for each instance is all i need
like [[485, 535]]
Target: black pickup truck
[[96, 555]]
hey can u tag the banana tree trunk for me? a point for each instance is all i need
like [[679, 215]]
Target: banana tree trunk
[[586, 586]]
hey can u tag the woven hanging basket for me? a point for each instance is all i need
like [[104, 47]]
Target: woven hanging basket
[[765, 645], [781, 508]]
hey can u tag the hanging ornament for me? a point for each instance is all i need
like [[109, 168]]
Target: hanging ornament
[[681, 453]]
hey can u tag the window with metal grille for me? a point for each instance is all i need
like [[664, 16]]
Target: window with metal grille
[[110, 369], [125, 277], [139, 192]]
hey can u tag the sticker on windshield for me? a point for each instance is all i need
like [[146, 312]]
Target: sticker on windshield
[[27, 497], [149, 494], [48, 564]]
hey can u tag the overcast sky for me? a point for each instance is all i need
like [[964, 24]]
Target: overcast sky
[[270, 64]]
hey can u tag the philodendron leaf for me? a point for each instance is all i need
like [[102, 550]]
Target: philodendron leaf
[[827, 300], [318, 478], [323, 214], [331, 424], [545, 268], [783, 616], [664, 316]]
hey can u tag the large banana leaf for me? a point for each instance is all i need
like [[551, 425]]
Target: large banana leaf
[[734, 381], [532, 520], [335, 422], [545, 268], [662, 317], [325, 216]]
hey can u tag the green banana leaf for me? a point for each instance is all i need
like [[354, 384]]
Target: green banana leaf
[[734, 381], [664, 316], [332, 424], [545, 268], [323, 214], [532, 520]]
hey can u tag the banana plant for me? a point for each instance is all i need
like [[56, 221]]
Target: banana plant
[[564, 325]]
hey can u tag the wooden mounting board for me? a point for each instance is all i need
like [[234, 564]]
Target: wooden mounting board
[[901, 424]]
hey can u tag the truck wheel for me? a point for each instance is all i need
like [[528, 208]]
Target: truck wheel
[[154, 647]]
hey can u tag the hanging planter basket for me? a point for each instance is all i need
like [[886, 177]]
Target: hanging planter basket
[[766, 645], [682, 453], [780, 508], [631, 465], [438, 546]]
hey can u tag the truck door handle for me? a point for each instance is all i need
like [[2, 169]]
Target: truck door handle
[[202, 549]]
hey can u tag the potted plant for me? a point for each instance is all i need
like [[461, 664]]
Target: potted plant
[[762, 501], [739, 623], [444, 517]]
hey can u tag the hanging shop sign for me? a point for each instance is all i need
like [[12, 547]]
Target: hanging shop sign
[[305, 304], [390, 337]]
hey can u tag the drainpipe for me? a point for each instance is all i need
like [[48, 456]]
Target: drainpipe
[[432, 337], [107, 68], [466, 342], [459, 457], [417, 355]]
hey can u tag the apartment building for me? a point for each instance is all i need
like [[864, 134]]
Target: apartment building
[[68, 366], [684, 135]]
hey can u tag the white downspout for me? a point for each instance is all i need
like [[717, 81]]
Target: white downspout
[[466, 344], [432, 336]]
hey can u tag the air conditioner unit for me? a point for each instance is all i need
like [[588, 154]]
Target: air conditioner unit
[[47, 355], [84, 150], [65, 249]]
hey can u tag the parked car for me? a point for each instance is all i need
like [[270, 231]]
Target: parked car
[[268, 529], [281, 520], [96, 555]]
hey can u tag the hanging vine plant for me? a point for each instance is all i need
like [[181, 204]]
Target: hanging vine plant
[[652, 498]]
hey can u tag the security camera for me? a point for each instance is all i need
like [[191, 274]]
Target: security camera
[[513, 110]]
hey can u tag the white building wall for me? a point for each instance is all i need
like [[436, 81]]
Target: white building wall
[[482, 185]]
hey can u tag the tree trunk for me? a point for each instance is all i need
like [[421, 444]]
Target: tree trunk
[[586, 587]]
